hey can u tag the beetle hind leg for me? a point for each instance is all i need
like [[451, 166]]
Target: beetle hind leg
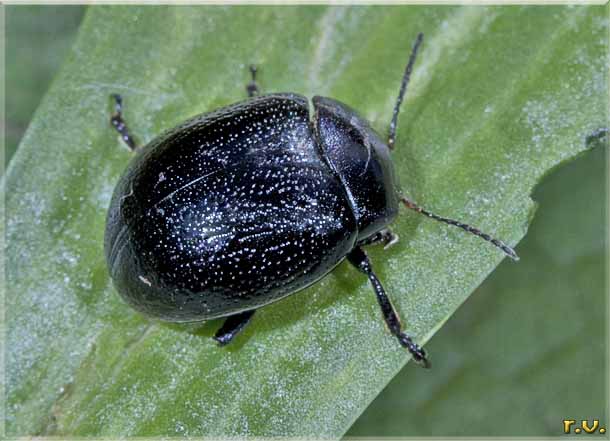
[[360, 260], [232, 326], [252, 87], [119, 124]]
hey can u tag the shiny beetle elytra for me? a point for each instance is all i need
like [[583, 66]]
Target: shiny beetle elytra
[[240, 207]]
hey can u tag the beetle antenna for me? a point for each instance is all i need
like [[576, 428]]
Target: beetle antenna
[[403, 89], [508, 250]]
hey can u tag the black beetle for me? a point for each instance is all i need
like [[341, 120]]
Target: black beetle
[[240, 207]]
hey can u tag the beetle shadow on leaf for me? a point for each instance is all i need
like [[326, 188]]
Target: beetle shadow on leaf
[[205, 329]]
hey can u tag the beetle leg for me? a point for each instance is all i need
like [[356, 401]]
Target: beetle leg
[[386, 237], [119, 124], [360, 260], [252, 87], [233, 326]]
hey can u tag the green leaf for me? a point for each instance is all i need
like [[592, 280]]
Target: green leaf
[[499, 97]]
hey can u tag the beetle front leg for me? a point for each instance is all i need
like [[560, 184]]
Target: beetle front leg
[[360, 260], [386, 237], [252, 87], [119, 124], [232, 326]]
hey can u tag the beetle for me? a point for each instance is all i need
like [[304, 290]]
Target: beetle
[[240, 207]]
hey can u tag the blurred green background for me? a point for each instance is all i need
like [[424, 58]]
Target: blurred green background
[[526, 350], [37, 39]]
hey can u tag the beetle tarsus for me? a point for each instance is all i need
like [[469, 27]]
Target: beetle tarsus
[[360, 260], [232, 326], [119, 124], [418, 353], [252, 87]]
